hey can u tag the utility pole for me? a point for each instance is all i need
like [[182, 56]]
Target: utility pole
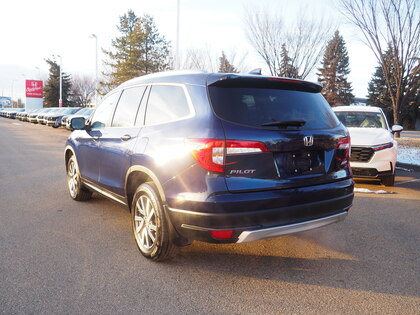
[[60, 101], [177, 62], [96, 67]]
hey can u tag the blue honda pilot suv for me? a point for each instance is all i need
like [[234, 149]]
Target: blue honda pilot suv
[[220, 158]]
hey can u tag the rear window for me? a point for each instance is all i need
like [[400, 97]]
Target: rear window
[[258, 106]]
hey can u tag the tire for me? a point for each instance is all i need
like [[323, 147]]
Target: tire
[[388, 180], [74, 183], [151, 226]]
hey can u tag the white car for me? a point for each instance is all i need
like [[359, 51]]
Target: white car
[[373, 147]]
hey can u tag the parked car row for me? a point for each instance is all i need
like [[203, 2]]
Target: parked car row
[[10, 112], [51, 116]]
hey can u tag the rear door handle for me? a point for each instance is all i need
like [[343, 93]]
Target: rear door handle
[[125, 137]]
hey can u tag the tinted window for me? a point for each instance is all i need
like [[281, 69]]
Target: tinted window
[[127, 107], [362, 119], [102, 116], [74, 110], [258, 106], [166, 103]]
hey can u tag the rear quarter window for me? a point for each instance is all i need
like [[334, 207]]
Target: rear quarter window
[[166, 103], [257, 106]]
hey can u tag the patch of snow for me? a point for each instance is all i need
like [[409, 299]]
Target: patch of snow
[[368, 191], [408, 155]]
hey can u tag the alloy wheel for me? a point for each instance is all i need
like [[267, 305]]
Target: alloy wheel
[[145, 223], [73, 178]]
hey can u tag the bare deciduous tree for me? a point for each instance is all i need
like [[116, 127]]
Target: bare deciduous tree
[[304, 40], [83, 90], [208, 60], [199, 59], [395, 23]]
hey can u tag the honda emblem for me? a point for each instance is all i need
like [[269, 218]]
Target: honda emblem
[[308, 141]]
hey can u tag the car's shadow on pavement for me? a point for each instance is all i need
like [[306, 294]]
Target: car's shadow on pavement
[[315, 257]]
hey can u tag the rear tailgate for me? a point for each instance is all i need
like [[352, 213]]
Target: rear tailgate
[[303, 143]]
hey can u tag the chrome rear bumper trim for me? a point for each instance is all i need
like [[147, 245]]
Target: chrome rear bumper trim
[[250, 236]]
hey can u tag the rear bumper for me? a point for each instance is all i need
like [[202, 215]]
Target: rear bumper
[[288, 212], [249, 236]]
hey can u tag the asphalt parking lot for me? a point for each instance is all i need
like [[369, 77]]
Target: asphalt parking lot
[[61, 256]]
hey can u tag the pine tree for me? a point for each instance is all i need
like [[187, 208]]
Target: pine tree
[[333, 74], [138, 51], [410, 110], [286, 67], [378, 90], [52, 87], [225, 66]]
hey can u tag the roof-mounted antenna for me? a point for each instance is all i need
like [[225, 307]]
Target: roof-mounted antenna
[[256, 71]]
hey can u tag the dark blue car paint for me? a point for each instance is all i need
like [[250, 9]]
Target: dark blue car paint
[[198, 200]]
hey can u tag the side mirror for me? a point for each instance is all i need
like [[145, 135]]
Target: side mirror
[[397, 128], [78, 123]]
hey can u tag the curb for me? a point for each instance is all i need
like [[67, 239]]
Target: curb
[[416, 168], [407, 139]]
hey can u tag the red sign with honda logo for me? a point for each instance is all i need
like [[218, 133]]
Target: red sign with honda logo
[[34, 88]]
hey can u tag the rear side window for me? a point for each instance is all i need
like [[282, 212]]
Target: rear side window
[[127, 107], [258, 106], [103, 114], [166, 103]]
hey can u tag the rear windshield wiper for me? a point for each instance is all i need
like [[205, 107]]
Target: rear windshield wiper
[[285, 124]]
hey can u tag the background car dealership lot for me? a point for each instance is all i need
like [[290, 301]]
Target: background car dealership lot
[[60, 257]]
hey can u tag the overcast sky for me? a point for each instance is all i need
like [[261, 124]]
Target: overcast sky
[[31, 31]]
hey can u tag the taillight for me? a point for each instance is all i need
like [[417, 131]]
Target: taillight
[[383, 146], [343, 152], [211, 153]]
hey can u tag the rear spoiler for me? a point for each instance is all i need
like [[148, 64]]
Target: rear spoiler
[[251, 81]]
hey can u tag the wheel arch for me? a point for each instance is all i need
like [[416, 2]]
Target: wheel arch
[[137, 175], [68, 152]]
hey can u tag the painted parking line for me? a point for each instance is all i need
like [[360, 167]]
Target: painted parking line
[[17, 124], [407, 181], [368, 191]]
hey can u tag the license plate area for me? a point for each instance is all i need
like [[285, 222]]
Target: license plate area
[[299, 163]]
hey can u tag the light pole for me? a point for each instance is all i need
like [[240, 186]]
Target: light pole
[[13, 81], [177, 62], [39, 73], [24, 87], [96, 67], [60, 101]]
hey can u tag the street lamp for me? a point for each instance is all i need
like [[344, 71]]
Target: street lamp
[[24, 86], [96, 67], [60, 101], [13, 81], [177, 61], [39, 73]]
